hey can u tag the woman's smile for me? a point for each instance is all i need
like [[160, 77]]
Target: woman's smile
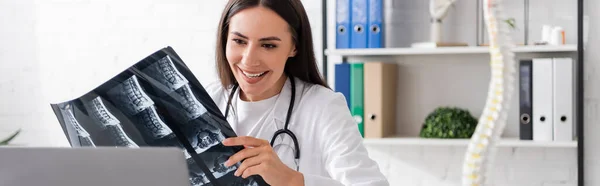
[[253, 76]]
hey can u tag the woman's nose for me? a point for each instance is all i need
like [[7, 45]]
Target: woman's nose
[[250, 57]]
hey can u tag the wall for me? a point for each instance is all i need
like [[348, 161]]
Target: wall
[[44, 38], [592, 95], [21, 97]]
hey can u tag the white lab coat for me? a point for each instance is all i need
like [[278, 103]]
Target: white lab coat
[[332, 152]]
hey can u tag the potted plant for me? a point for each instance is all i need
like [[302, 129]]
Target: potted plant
[[512, 24], [7, 140], [449, 122]]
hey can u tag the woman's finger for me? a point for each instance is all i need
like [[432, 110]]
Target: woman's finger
[[254, 170], [245, 141], [250, 162], [243, 154]]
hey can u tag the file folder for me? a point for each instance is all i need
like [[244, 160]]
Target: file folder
[[343, 24], [357, 95], [542, 99], [563, 99], [342, 80], [380, 99], [375, 22], [525, 99], [358, 36]]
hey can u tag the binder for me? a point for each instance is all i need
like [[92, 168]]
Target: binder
[[542, 99], [525, 99], [342, 80], [343, 24], [358, 36], [380, 82], [563, 99], [357, 95], [375, 22]]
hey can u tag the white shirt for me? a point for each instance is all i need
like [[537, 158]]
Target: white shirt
[[251, 115], [331, 148]]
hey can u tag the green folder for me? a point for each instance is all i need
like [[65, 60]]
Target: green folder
[[357, 95]]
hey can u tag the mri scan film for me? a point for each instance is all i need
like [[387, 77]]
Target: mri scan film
[[157, 102]]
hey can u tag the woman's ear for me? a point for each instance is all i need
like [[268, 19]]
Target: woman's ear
[[293, 52]]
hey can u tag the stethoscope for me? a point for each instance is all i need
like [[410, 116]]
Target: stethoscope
[[285, 129]]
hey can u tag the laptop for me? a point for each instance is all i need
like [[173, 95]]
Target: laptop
[[100, 166]]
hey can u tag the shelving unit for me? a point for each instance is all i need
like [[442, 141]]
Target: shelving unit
[[430, 57], [507, 142], [451, 54], [445, 50], [421, 64]]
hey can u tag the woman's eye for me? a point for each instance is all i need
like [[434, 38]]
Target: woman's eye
[[239, 41], [268, 46]]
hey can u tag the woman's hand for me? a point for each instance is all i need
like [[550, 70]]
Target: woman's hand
[[260, 159]]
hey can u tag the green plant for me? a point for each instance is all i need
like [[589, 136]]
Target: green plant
[[10, 138], [511, 22], [449, 122]]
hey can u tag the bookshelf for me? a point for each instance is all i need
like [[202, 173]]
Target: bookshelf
[[442, 76], [474, 59], [450, 70], [505, 142], [445, 50]]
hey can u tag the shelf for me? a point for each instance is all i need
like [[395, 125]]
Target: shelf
[[444, 50], [509, 142]]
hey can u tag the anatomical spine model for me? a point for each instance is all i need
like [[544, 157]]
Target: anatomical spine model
[[482, 147]]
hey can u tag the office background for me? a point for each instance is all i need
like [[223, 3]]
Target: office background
[[52, 50]]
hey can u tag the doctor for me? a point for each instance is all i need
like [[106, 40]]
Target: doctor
[[296, 130]]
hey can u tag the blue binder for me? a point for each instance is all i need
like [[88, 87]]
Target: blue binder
[[375, 22], [358, 37], [342, 80], [343, 22]]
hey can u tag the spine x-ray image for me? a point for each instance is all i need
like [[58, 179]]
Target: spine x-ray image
[[198, 126], [107, 121], [83, 137], [156, 102], [129, 97]]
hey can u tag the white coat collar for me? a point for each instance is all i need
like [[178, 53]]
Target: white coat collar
[[283, 102]]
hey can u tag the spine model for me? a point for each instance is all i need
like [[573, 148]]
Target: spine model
[[478, 159]]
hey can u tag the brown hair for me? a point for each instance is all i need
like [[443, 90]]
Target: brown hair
[[303, 65]]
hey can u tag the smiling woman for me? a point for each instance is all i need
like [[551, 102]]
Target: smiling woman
[[270, 82], [258, 46], [267, 35]]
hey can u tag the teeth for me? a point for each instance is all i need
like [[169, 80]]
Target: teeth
[[253, 75]]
